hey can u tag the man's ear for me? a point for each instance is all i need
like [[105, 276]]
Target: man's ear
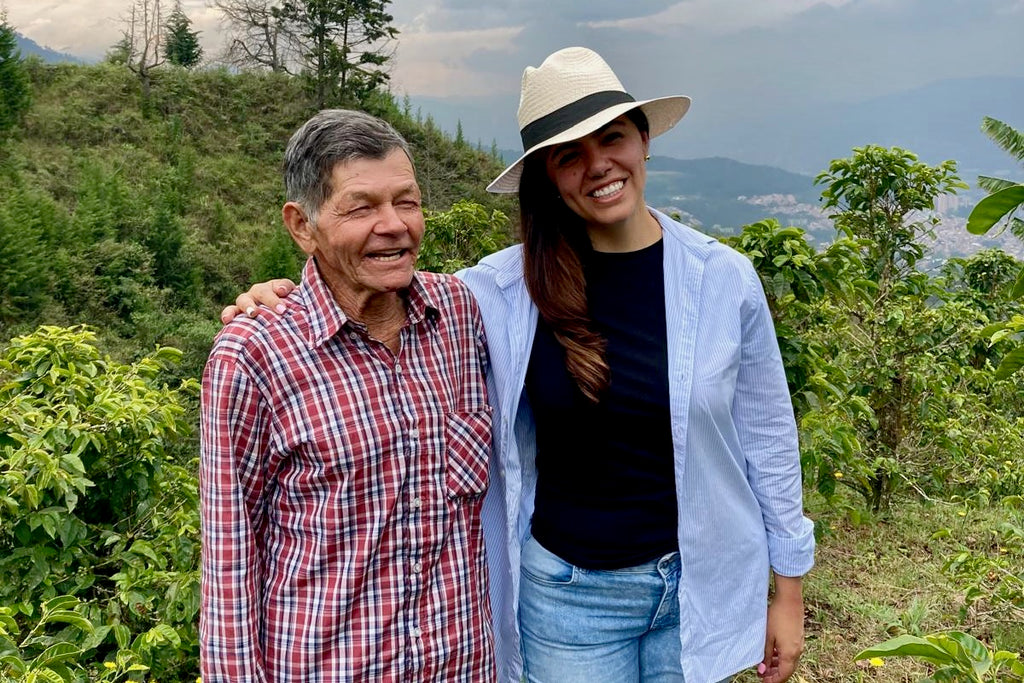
[[299, 227]]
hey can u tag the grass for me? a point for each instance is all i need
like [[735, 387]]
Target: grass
[[879, 576]]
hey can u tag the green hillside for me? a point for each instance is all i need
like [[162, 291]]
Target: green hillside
[[143, 219]]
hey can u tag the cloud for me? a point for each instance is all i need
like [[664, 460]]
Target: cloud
[[443, 65], [716, 16], [458, 15], [89, 28]]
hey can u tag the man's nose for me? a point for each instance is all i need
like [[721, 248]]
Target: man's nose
[[389, 221]]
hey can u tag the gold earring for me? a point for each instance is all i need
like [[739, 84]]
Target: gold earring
[[647, 157]]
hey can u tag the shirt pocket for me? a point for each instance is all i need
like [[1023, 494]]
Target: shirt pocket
[[467, 446]]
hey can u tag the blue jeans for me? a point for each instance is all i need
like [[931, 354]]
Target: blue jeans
[[599, 626]]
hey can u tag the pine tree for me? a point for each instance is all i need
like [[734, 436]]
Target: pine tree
[[181, 43], [15, 95], [342, 47]]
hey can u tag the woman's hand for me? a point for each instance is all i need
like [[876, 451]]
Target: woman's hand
[[784, 638], [268, 293]]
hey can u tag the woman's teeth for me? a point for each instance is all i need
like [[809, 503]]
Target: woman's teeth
[[608, 189]]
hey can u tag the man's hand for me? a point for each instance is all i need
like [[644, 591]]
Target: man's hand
[[268, 293], [784, 639]]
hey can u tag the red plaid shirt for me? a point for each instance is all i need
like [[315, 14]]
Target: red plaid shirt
[[341, 488]]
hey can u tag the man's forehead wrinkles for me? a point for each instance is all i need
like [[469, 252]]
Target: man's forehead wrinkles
[[376, 191]]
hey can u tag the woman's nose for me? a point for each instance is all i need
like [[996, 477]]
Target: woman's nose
[[598, 164]]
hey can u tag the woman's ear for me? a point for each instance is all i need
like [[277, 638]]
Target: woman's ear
[[299, 227]]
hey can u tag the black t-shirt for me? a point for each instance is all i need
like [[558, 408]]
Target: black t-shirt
[[606, 489]]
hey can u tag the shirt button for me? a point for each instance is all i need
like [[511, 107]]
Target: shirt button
[[417, 567], [417, 502], [416, 632], [398, 368]]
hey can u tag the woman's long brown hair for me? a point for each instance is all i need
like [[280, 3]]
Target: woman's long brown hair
[[554, 241]]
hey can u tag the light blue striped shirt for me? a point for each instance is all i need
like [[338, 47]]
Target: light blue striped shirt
[[737, 465]]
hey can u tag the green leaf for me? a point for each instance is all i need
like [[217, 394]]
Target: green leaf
[[144, 548], [68, 617], [1017, 668], [60, 602], [16, 663], [94, 639], [1011, 363], [971, 651], [1001, 335], [1018, 286], [8, 622], [907, 646], [61, 652], [947, 674], [990, 330], [123, 636], [73, 463], [164, 633], [48, 675], [993, 208]]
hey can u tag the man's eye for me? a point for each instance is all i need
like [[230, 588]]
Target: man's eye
[[358, 211]]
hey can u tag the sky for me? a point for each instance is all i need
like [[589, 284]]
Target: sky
[[740, 60]]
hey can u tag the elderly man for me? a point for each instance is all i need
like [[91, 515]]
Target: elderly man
[[345, 444]]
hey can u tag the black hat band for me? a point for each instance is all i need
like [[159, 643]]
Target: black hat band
[[564, 118]]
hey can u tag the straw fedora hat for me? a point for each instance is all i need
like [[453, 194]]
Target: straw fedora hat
[[571, 94]]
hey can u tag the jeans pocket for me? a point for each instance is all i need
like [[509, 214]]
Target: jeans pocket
[[543, 566], [467, 447]]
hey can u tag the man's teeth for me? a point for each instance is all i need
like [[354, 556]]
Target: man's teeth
[[608, 189], [388, 256]]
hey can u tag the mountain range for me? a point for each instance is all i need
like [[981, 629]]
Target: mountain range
[[30, 48], [937, 122]]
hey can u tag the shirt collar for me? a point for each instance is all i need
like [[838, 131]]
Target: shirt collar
[[326, 317]]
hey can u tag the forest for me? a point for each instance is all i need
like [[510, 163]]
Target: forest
[[135, 203]]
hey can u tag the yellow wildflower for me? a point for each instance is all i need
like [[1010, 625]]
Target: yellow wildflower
[[876, 661]]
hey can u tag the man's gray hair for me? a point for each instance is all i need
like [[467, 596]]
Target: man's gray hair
[[332, 137]]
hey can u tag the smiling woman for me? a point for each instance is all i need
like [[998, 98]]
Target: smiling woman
[[601, 178], [648, 498]]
